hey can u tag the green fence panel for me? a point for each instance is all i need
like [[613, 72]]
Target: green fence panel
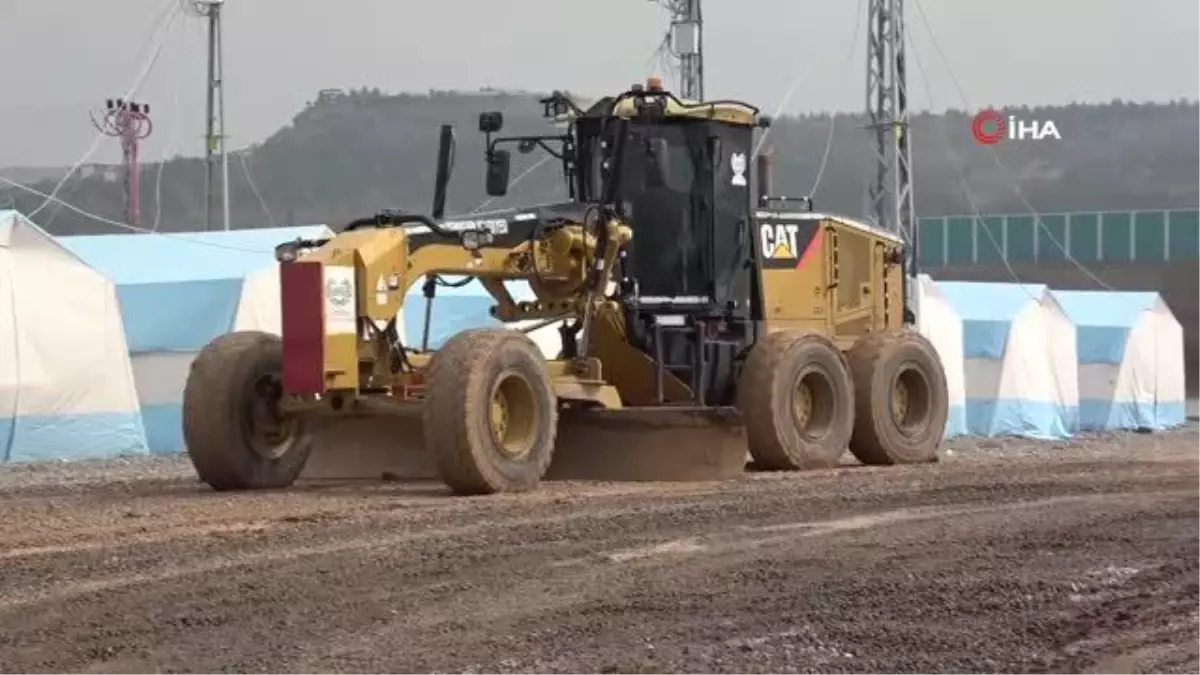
[[1020, 238], [931, 241], [960, 241], [1083, 235], [1116, 236], [1052, 238], [990, 239], [1149, 235], [1184, 234]]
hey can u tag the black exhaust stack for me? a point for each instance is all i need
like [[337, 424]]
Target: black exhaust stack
[[763, 171]]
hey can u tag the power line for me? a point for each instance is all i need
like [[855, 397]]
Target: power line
[[172, 141], [254, 188], [214, 118], [890, 193], [858, 13], [802, 76], [1041, 226], [171, 11], [126, 226]]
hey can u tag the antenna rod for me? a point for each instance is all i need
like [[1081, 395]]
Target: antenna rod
[[214, 124], [891, 194], [687, 41]]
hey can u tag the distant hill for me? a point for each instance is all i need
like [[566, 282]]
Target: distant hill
[[352, 154]]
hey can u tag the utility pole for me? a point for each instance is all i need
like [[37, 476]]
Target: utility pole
[[890, 196], [687, 44], [131, 123], [214, 125]]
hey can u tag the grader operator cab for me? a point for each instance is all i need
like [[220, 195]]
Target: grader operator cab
[[678, 291]]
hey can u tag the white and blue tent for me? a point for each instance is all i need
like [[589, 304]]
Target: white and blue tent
[[1019, 360], [938, 322], [179, 291], [459, 308], [1131, 366], [66, 387]]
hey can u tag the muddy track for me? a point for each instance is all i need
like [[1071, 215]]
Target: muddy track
[[1078, 560]]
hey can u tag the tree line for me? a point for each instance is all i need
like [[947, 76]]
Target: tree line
[[352, 153]]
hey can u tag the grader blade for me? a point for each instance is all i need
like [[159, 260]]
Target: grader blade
[[648, 444], [369, 448]]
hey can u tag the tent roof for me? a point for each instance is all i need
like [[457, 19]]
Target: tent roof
[[18, 231], [981, 301], [1105, 308], [186, 256]]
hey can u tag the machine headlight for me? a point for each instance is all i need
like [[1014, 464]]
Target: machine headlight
[[286, 253]]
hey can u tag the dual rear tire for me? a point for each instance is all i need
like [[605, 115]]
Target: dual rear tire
[[804, 402]]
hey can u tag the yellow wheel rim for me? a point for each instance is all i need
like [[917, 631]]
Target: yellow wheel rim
[[512, 416], [900, 401], [911, 400], [802, 404], [813, 404]]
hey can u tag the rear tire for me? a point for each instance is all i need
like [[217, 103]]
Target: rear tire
[[235, 436], [902, 403], [490, 413], [796, 398]]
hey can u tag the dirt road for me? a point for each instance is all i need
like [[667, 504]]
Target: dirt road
[[1002, 557]]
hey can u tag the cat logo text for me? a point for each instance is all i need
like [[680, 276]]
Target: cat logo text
[[779, 240]]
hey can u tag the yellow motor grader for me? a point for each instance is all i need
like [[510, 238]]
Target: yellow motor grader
[[679, 290]]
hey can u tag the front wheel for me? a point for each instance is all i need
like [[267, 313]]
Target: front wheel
[[235, 435], [490, 414]]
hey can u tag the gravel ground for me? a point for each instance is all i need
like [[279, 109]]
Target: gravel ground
[[1006, 556]]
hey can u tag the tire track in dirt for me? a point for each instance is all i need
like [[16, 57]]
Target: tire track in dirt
[[601, 593], [974, 563]]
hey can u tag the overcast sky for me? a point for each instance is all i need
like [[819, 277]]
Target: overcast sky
[[62, 58]]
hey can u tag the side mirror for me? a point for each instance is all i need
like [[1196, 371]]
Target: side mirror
[[491, 122], [498, 163]]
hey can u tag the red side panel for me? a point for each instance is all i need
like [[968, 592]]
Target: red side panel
[[812, 249], [303, 328]]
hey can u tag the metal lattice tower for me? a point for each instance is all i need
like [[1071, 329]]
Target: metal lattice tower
[[131, 123], [687, 45], [890, 196], [214, 117]]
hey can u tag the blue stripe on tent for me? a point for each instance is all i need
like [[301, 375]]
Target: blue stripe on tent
[[1020, 417], [985, 339], [1108, 415], [164, 428], [87, 436], [1101, 344], [451, 315], [130, 259], [1171, 414], [454, 310], [987, 311], [177, 316], [1118, 309], [956, 422], [1103, 321]]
